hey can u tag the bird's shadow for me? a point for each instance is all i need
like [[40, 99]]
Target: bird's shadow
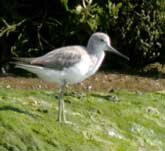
[[107, 97], [15, 109]]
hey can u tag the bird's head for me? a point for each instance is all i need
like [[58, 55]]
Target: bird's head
[[101, 42]]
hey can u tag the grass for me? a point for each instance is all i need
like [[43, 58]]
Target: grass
[[130, 121]]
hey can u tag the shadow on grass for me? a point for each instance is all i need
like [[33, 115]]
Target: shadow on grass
[[109, 97], [14, 109]]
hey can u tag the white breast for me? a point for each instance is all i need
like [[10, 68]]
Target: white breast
[[77, 73], [96, 63]]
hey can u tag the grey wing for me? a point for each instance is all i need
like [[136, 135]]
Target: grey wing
[[58, 59]]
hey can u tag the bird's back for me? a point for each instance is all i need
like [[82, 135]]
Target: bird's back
[[61, 58]]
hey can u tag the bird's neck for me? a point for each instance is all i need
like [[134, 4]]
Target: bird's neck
[[96, 54], [94, 48], [97, 60]]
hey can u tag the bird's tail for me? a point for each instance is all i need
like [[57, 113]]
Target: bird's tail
[[24, 63], [22, 59], [31, 68]]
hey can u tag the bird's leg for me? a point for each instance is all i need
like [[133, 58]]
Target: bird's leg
[[63, 104], [61, 114], [60, 107]]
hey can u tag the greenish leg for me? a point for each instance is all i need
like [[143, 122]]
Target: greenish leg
[[61, 110]]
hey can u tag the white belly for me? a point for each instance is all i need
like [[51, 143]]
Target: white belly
[[71, 75]]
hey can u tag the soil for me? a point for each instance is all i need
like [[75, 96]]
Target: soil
[[102, 81]]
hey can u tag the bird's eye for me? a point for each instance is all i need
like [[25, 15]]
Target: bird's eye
[[101, 40]]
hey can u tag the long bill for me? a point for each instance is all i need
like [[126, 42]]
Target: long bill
[[113, 50]]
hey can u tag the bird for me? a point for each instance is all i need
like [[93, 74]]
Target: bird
[[69, 64]]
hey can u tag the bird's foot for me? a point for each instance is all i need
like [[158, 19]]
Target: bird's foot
[[65, 122], [68, 122], [62, 119]]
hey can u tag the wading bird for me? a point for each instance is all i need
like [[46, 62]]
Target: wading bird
[[69, 64]]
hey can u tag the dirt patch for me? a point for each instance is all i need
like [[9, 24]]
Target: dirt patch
[[100, 82]]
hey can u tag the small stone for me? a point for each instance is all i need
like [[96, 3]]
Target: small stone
[[113, 98], [8, 86], [153, 111], [39, 86], [111, 90], [89, 87]]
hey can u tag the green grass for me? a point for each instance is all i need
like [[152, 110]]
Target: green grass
[[131, 121]]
